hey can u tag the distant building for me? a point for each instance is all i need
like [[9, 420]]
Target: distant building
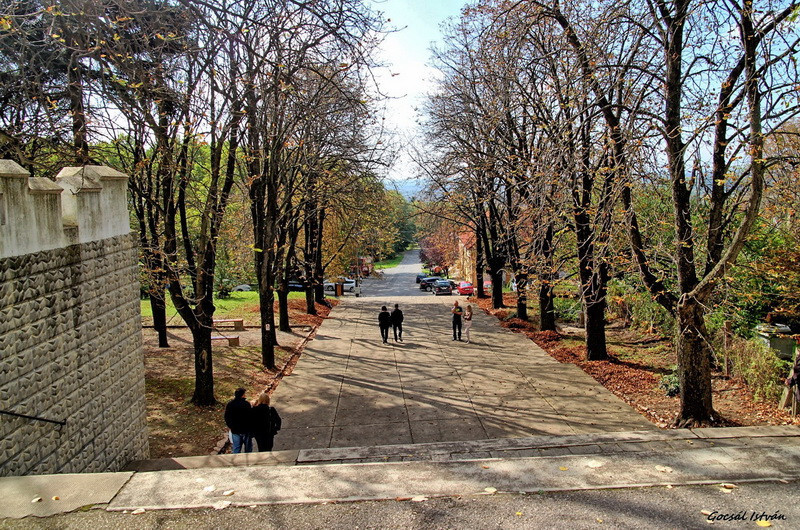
[[467, 257]]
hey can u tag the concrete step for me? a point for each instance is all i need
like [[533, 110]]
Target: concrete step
[[556, 463], [506, 448]]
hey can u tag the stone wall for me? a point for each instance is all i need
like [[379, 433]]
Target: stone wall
[[70, 326]]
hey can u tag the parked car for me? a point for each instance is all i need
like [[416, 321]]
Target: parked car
[[420, 276], [242, 288], [349, 284], [442, 287], [453, 284], [465, 288], [426, 284], [487, 285]]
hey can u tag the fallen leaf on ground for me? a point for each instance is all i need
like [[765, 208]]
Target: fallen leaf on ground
[[419, 498], [728, 486], [599, 520], [724, 490], [36, 499], [562, 468], [209, 488], [706, 512], [485, 467], [518, 514], [56, 498], [490, 490], [664, 469], [228, 493], [137, 511], [594, 464], [763, 523], [221, 505], [401, 499]]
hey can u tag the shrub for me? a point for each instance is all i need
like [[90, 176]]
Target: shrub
[[638, 307], [567, 310], [670, 384], [759, 367]]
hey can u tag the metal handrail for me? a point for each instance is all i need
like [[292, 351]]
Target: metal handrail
[[37, 418]]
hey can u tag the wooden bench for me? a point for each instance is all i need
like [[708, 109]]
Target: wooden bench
[[237, 323], [233, 340]]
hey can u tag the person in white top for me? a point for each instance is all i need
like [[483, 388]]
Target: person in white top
[[467, 321]]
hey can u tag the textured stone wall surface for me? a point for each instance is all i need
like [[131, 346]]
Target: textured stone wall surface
[[70, 336], [71, 351]]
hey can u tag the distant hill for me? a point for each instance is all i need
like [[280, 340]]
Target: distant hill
[[408, 188]]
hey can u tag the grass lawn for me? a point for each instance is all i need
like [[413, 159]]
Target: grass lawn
[[238, 305], [389, 263]]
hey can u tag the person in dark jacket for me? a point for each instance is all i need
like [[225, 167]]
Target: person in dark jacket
[[397, 323], [265, 423], [384, 322], [457, 312], [237, 418]]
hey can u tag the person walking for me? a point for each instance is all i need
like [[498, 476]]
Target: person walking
[[397, 323], [265, 423], [237, 418], [384, 322], [467, 321], [457, 312]]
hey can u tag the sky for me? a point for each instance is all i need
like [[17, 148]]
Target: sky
[[409, 76]]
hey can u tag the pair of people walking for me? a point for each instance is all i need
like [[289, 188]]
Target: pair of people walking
[[392, 320], [461, 319], [248, 421]]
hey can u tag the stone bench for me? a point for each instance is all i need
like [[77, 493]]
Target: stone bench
[[233, 340], [237, 323]]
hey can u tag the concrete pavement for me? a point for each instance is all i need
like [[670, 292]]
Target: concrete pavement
[[425, 471], [429, 419], [350, 389]]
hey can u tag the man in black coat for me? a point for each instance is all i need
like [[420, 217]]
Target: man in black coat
[[397, 323], [384, 323], [237, 418]]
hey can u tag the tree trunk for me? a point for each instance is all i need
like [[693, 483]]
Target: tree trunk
[[522, 296], [283, 309], [75, 90], [595, 327], [547, 312], [159, 308], [497, 289], [203, 367], [311, 307], [479, 264], [266, 297], [694, 365]]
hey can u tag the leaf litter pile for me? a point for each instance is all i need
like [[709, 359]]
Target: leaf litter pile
[[637, 363]]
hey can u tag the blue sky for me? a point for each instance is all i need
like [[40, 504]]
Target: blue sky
[[408, 77]]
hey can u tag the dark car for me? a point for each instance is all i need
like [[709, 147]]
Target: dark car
[[420, 276], [296, 286], [426, 284], [442, 287], [453, 285]]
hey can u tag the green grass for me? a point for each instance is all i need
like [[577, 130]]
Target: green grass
[[238, 305], [389, 263]]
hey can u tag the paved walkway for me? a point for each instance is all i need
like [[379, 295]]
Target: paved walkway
[[349, 389]]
